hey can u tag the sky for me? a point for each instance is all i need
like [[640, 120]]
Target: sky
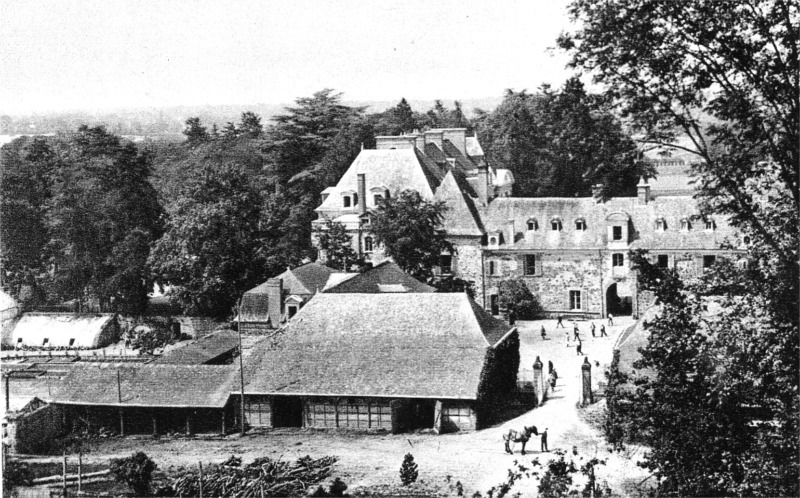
[[94, 55]]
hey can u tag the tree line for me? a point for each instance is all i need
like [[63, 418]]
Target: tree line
[[94, 221]]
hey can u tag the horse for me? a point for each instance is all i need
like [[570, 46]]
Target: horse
[[519, 437]]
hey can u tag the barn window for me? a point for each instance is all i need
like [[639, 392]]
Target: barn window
[[530, 264], [533, 225], [368, 244], [575, 300], [617, 259], [580, 225], [555, 225], [616, 233], [663, 261]]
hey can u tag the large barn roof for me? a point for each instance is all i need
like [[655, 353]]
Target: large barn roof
[[202, 350], [176, 386], [60, 328], [393, 345]]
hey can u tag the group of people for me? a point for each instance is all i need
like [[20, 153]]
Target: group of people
[[576, 332]]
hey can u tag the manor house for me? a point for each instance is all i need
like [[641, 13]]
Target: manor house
[[573, 253]]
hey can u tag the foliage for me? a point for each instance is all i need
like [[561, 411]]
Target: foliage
[[16, 473], [338, 246], [136, 471], [517, 298], [337, 488], [498, 380], [211, 251], [262, 477], [195, 132], [409, 228], [560, 143], [408, 470], [454, 284]]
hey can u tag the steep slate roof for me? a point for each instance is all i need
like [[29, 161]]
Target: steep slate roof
[[393, 345], [474, 149], [303, 280], [59, 328], [462, 216], [643, 217], [672, 179], [393, 169], [177, 386], [202, 350], [370, 282]]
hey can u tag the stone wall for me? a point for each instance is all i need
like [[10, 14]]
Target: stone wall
[[34, 432], [467, 260]]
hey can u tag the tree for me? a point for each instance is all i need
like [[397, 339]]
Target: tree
[[211, 251], [725, 76], [410, 229], [136, 471], [561, 143], [250, 125], [517, 298], [195, 132], [408, 470], [338, 246]]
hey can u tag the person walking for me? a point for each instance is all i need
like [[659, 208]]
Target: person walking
[[544, 440], [575, 331], [552, 379], [603, 331], [610, 320], [560, 321], [544, 335], [593, 327], [549, 366], [578, 350]]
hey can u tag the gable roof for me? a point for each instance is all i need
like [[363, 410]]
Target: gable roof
[[176, 386], [306, 279], [202, 350], [373, 280], [474, 149], [392, 345], [461, 217]]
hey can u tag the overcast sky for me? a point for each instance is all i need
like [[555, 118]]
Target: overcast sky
[[91, 55]]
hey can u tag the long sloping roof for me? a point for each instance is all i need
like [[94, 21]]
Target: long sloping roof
[[461, 217], [303, 280], [202, 350], [176, 386], [59, 328], [386, 273], [393, 345], [643, 217]]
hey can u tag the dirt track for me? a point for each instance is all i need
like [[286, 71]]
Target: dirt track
[[475, 459]]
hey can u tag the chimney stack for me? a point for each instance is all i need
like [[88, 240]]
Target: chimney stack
[[512, 232], [643, 191], [483, 184], [362, 194], [458, 137], [275, 301]]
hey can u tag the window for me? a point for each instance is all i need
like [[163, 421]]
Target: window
[[575, 300], [580, 225], [708, 261], [685, 224], [710, 225], [492, 268], [616, 233], [663, 261], [45, 341], [661, 224], [492, 241], [530, 264], [355, 199], [71, 342], [446, 263], [377, 198], [532, 225], [742, 264], [346, 201], [617, 259], [368, 244], [555, 225], [291, 310], [19, 340]]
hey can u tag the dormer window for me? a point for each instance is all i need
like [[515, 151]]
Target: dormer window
[[533, 225], [710, 226], [661, 224], [368, 244], [346, 201], [555, 225], [580, 225], [492, 241], [685, 225], [616, 233], [377, 198]]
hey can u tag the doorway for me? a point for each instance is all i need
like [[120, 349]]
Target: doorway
[[618, 305], [287, 411]]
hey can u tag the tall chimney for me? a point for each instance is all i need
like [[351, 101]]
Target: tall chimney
[[512, 232], [275, 301], [458, 137], [643, 192], [483, 184], [362, 193]]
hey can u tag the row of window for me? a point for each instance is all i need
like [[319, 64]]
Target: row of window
[[530, 268], [580, 225], [351, 200]]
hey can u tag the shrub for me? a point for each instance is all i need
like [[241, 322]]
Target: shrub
[[516, 297], [408, 470], [16, 473], [136, 471]]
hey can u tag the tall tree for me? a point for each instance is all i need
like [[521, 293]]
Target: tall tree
[[195, 132], [410, 229], [724, 75], [250, 125], [338, 246]]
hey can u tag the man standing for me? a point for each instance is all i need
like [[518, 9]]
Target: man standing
[[593, 328], [578, 350], [575, 331], [544, 440], [544, 335], [603, 331], [610, 320]]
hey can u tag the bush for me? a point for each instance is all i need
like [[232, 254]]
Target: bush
[[136, 471], [515, 296], [16, 473], [408, 470]]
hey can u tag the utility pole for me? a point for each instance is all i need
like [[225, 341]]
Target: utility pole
[[241, 364]]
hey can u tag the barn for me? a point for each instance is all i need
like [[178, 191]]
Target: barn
[[66, 330], [394, 361]]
